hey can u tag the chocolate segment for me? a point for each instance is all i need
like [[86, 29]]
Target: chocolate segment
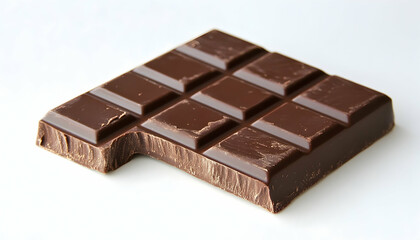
[[241, 103], [297, 125], [340, 99], [176, 71], [219, 49], [134, 93], [254, 152], [277, 73], [189, 123], [260, 125], [88, 118]]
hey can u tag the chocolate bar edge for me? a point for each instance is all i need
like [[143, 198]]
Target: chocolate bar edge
[[113, 154], [104, 159]]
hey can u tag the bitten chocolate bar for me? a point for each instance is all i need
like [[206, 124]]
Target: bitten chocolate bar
[[258, 124]]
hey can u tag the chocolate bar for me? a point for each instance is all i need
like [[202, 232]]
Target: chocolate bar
[[258, 124]]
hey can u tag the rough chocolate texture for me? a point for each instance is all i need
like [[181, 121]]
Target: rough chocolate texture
[[260, 125]]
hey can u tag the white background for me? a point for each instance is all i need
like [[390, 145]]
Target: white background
[[51, 51]]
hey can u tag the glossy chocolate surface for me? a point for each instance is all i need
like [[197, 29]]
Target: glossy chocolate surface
[[176, 71], [188, 123], [345, 100], [260, 125], [297, 125], [253, 152], [89, 118], [219, 49], [134, 93], [241, 103], [279, 73]]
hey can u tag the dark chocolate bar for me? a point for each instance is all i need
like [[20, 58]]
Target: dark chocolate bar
[[260, 125]]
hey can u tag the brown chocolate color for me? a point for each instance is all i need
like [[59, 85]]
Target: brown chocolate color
[[176, 71], [260, 125], [278, 73], [134, 93], [219, 49], [254, 152], [298, 125], [346, 101], [189, 123], [88, 118], [241, 103]]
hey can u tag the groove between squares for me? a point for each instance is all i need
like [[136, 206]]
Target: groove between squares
[[245, 123], [212, 79], [182, 95]]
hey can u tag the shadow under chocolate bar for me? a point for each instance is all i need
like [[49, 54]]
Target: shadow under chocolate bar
[[258, 124]]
